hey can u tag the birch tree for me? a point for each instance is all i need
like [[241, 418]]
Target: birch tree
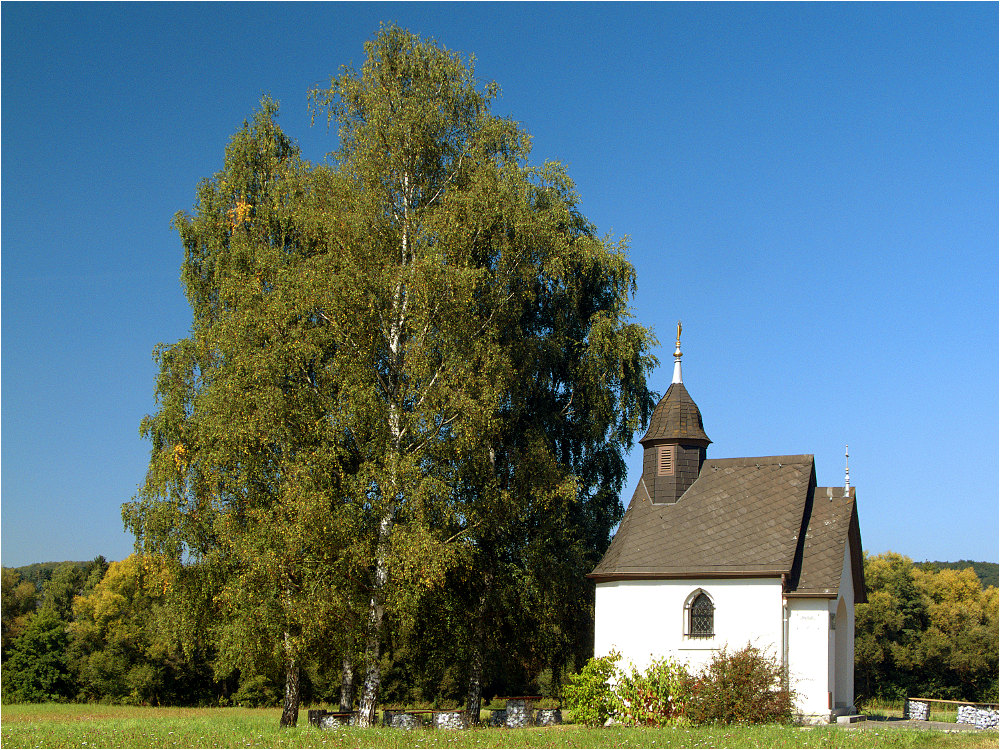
[[489, 325], [245, 469], [416, 290]]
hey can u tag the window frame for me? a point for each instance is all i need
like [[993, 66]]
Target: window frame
[[689, 615]]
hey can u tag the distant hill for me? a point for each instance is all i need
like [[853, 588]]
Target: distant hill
[[39, 573], [989, 573]]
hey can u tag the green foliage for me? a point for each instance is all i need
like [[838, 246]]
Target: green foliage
[[658, 696], [36, 669], [925, 631], [39, 573], [18, 604], [257, 692], [743, 687], [588, 694], [68, 581]]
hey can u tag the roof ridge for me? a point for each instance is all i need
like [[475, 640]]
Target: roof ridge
[[802, 458]]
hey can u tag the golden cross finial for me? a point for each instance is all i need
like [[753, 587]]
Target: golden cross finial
[[677, 356]]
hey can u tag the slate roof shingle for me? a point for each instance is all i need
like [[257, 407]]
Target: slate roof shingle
[[742, 517], [677, 418]]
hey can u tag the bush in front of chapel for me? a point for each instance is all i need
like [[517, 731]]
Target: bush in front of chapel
[[656, 697], [743, 687]]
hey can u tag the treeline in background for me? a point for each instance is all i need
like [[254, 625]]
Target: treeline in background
[[94, 631]]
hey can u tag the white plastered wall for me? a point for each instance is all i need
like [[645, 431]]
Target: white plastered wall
[[810, 655], [646, 619], [821, 650], [843, 687]]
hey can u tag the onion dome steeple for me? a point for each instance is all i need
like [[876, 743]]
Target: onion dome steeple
[[674, 445], [676, 417]]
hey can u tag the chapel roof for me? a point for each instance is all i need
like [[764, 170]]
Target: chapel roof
[[833, 523], [676, 418], [742, 517]]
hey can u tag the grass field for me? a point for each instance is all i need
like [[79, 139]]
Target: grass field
[[98, 726]]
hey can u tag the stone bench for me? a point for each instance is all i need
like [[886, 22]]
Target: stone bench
[[450, 719], [401, 718], [521, 712], [328, 719]]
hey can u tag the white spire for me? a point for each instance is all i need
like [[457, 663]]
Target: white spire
[[847, 473], [677, 356]]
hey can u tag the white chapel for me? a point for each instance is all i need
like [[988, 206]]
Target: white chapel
[[717, 552]]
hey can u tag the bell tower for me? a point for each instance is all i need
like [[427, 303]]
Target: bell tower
[[675, 443]]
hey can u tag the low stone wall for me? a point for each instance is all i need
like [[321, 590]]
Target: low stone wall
[[329, 719], [450, 720], [399, 720], [983, 718], [548, 717], [520, 713], [917, 710]]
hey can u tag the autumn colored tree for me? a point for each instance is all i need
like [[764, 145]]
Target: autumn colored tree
[[391, 353], [245, 468], [960, 646], [126, 638], [924, 631], [493, 364]]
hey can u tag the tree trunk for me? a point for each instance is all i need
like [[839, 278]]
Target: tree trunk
[[347, 686], [290, 712], [376, 610], [474, 697]]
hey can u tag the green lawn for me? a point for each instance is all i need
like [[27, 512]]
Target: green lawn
[[96, 726]]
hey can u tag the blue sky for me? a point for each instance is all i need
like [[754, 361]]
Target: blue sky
[[811, 188]]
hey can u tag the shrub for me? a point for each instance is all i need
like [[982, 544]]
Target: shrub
[[745, 687], [655, 697], [588, 693], [256, 692]]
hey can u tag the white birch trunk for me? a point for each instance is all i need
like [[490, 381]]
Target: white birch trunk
[[376, 605]]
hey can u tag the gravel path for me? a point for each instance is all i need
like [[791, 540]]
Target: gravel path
[[874, 722]]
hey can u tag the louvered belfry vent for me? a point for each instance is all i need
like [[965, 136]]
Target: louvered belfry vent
[[665, 461], [673, 448]]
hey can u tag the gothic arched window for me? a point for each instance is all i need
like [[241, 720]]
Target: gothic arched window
[[701, 616]]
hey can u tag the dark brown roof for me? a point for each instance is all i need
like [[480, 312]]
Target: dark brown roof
[[676, 418], [833, 522], [741, 517]]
